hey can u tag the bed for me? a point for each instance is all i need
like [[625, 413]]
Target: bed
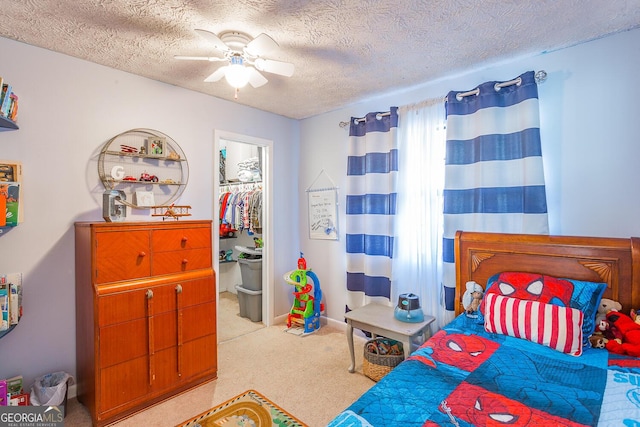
[[468, 375]]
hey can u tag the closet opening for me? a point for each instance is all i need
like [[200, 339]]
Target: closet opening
[[242, 237]]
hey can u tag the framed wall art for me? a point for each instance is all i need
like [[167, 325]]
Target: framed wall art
[[323, 212], [156, 147]]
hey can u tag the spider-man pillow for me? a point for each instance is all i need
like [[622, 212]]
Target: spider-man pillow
[[584, 296]]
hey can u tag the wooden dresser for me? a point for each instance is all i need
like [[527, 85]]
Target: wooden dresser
[[145, 313]]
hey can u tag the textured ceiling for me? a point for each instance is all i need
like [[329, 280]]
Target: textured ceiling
[[344, 51]]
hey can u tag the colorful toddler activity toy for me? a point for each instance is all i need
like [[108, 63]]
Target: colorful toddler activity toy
[[307, 304]]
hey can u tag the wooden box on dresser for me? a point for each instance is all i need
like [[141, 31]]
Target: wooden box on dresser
[[145, 313]]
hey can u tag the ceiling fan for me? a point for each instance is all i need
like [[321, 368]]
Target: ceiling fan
[[244, 57]]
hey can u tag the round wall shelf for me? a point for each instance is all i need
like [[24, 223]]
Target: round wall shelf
[[147, 165]]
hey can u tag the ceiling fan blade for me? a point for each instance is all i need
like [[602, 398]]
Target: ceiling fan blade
[[217, 74], [213, 39], [200, 58], [261, 45], [255, 78], [276, 67]]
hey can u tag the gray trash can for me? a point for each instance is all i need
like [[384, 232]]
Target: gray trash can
[[251, 272], [250, 302]]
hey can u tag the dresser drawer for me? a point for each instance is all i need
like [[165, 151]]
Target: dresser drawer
[[135, 304], [122, 256], [181, 261], [181, 238]]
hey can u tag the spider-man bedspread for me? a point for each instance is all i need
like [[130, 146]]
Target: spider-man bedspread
[[464, 376]]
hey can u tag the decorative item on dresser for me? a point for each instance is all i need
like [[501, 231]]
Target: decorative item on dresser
[[145, 313]]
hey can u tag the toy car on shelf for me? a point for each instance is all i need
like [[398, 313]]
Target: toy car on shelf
[[168, 181], [129, 178], [226, 230], [149, 178]]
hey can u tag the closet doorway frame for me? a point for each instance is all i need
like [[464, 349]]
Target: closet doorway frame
[[267, 228]]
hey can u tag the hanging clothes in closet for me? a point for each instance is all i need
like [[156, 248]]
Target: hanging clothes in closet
[[241, 207]]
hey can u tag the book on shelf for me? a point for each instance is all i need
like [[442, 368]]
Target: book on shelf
[[15, 297], [22, 399], [13, 107], [3, 393], [1, 90], [10, 198], [6, 99], [14, 385], [4, 306], [10, 299], [10, 175]]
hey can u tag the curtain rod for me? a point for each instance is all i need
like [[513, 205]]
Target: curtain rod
[[362, 119], [540, 77]]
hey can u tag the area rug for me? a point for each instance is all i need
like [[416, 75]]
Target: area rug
[[249, 409]]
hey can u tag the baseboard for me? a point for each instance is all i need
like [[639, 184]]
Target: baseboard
[[72, 391]]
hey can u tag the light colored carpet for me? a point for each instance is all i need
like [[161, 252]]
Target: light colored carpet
[[230, 324], [305, 375]]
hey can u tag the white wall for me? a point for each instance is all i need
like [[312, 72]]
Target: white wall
[[590, 127], [68, 109]]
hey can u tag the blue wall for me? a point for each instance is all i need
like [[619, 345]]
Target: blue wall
[[590, 129]]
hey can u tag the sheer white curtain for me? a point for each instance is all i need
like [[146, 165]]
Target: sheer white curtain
[[417, 259]]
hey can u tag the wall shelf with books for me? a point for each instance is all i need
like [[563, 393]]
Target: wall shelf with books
[[8, 106], [10, 302], [10, 194]]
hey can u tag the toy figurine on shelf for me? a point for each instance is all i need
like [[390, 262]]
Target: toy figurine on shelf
[[307, 304]]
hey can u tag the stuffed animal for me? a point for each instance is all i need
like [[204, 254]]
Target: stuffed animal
[[598, 340], [629, 344], [472, 297], [606, 305]]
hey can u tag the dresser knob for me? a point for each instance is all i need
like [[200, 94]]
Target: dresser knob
[[178, 289], [184, 239], [149, 294], [142, 254], [184, 261]]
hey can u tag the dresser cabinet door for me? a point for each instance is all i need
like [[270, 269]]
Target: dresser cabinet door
[[155, 338]]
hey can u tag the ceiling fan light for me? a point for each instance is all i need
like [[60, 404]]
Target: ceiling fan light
[[237, 74]]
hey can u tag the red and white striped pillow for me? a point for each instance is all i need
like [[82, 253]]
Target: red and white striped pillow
[[551, 325]]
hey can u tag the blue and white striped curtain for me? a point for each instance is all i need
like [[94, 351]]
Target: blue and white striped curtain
[[494, 180], [372, 168]]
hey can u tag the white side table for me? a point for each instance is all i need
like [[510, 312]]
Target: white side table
[[379, 320]]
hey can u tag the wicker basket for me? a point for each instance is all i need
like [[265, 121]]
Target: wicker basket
[[376, 366]]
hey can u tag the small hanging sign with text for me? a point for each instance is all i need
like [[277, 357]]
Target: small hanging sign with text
[[323, 214]]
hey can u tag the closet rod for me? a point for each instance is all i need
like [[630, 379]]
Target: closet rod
[[362, 119], [241, 183]]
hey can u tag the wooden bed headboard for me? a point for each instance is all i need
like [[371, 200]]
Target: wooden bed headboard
[[615, 261]]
